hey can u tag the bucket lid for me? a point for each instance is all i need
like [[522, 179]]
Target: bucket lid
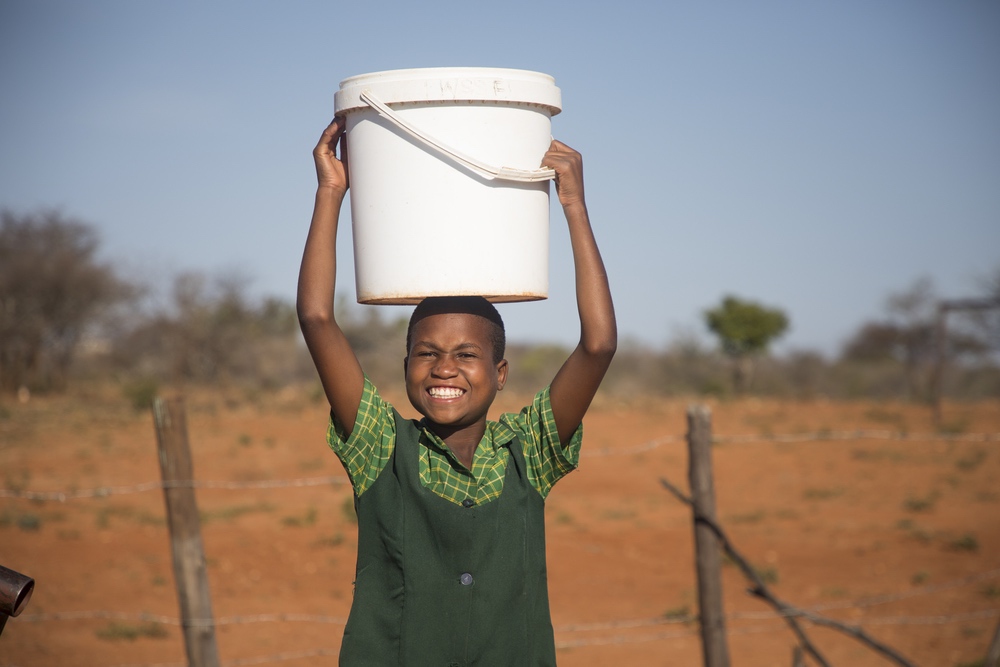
[[450, 84]]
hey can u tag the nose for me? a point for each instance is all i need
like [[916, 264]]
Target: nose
[[444, 367]]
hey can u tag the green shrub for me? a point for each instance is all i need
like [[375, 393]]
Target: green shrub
[[234, 512], [140, 393], [297, 521], [347, 510], [822, 493], [967, 542], [117, 631], [679, 613], [918, 504], [971, 462]]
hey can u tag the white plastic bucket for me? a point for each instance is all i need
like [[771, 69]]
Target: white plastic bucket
[[447, 196]]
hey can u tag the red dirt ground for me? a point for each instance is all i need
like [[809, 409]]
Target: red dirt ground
[[831, 523]]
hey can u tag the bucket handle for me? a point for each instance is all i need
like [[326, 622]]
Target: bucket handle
[[481, 168]]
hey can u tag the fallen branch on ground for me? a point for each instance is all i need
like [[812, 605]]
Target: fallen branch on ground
[[789, 612]]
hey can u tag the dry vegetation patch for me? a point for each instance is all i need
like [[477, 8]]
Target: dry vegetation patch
[[827, 523]]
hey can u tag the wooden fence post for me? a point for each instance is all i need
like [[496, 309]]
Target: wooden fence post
[[993, 653], [707, 548], [185, 533]]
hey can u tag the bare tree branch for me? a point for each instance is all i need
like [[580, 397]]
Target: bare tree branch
[[748, 571], [789, 612]]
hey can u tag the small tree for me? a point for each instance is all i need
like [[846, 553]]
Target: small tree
[[906, 339], [745, 329], [213, 332], [52, 287], [987, 322]]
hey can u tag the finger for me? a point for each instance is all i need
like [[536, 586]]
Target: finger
[[343, 157], [559, 160], [338, 123], [332, 134], [559, 147], [333, 130]]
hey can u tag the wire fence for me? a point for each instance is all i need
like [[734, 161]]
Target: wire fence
[[618, 627], [862, 603], [617, 640], [339, 480], [818, 436], [105, 491]]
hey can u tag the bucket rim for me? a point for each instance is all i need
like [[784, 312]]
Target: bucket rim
[[449, 85], [442, 72]]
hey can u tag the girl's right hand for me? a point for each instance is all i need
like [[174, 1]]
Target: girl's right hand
[[331, 172]]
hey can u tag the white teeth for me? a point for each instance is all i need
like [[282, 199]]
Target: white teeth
[[445, 392]]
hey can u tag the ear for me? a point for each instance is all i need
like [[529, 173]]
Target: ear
[[406, 364], [501, 374]]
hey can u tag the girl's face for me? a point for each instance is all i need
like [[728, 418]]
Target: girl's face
[[450, 375]]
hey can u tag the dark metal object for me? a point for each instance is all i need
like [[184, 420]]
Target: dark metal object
[[15, 591]]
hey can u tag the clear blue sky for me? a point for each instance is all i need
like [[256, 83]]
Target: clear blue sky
[[812, 156]]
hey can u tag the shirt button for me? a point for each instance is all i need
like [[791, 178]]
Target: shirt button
[[468, 502], [466, 579]]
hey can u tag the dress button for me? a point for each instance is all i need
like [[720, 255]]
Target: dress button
[[468, 502], [466, 579]]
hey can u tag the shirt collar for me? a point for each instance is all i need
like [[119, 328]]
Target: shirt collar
[[497, 435]]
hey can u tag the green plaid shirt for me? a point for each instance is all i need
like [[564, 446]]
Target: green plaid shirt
[[369, 448]]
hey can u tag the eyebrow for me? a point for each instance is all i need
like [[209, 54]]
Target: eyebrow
[[461, 346]]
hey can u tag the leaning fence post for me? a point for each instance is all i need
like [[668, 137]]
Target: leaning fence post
[[707, 549], [185, 533], [993, 654]]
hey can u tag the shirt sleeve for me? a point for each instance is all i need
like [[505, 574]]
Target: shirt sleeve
[[366, 452], [546, 459]]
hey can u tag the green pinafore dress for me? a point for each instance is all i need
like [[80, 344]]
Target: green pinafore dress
[[445, 585]]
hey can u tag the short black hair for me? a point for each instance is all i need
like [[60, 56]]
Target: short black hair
[[469, 305]]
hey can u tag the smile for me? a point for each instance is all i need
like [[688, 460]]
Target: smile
[[445, 392]]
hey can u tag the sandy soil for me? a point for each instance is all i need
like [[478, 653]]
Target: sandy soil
[[832, 524]]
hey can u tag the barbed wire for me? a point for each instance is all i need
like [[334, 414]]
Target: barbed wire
[[338, 480], [633, 449], [105, 491], [562, 644], [940, 619], [260, 660], [872, 601], [757, 629], [818, 436], [659, 636], [323, 652], [144, 617], [862, 603], [932, 620], [101, 492], [627, 624], [824, 436], [614, 640]]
